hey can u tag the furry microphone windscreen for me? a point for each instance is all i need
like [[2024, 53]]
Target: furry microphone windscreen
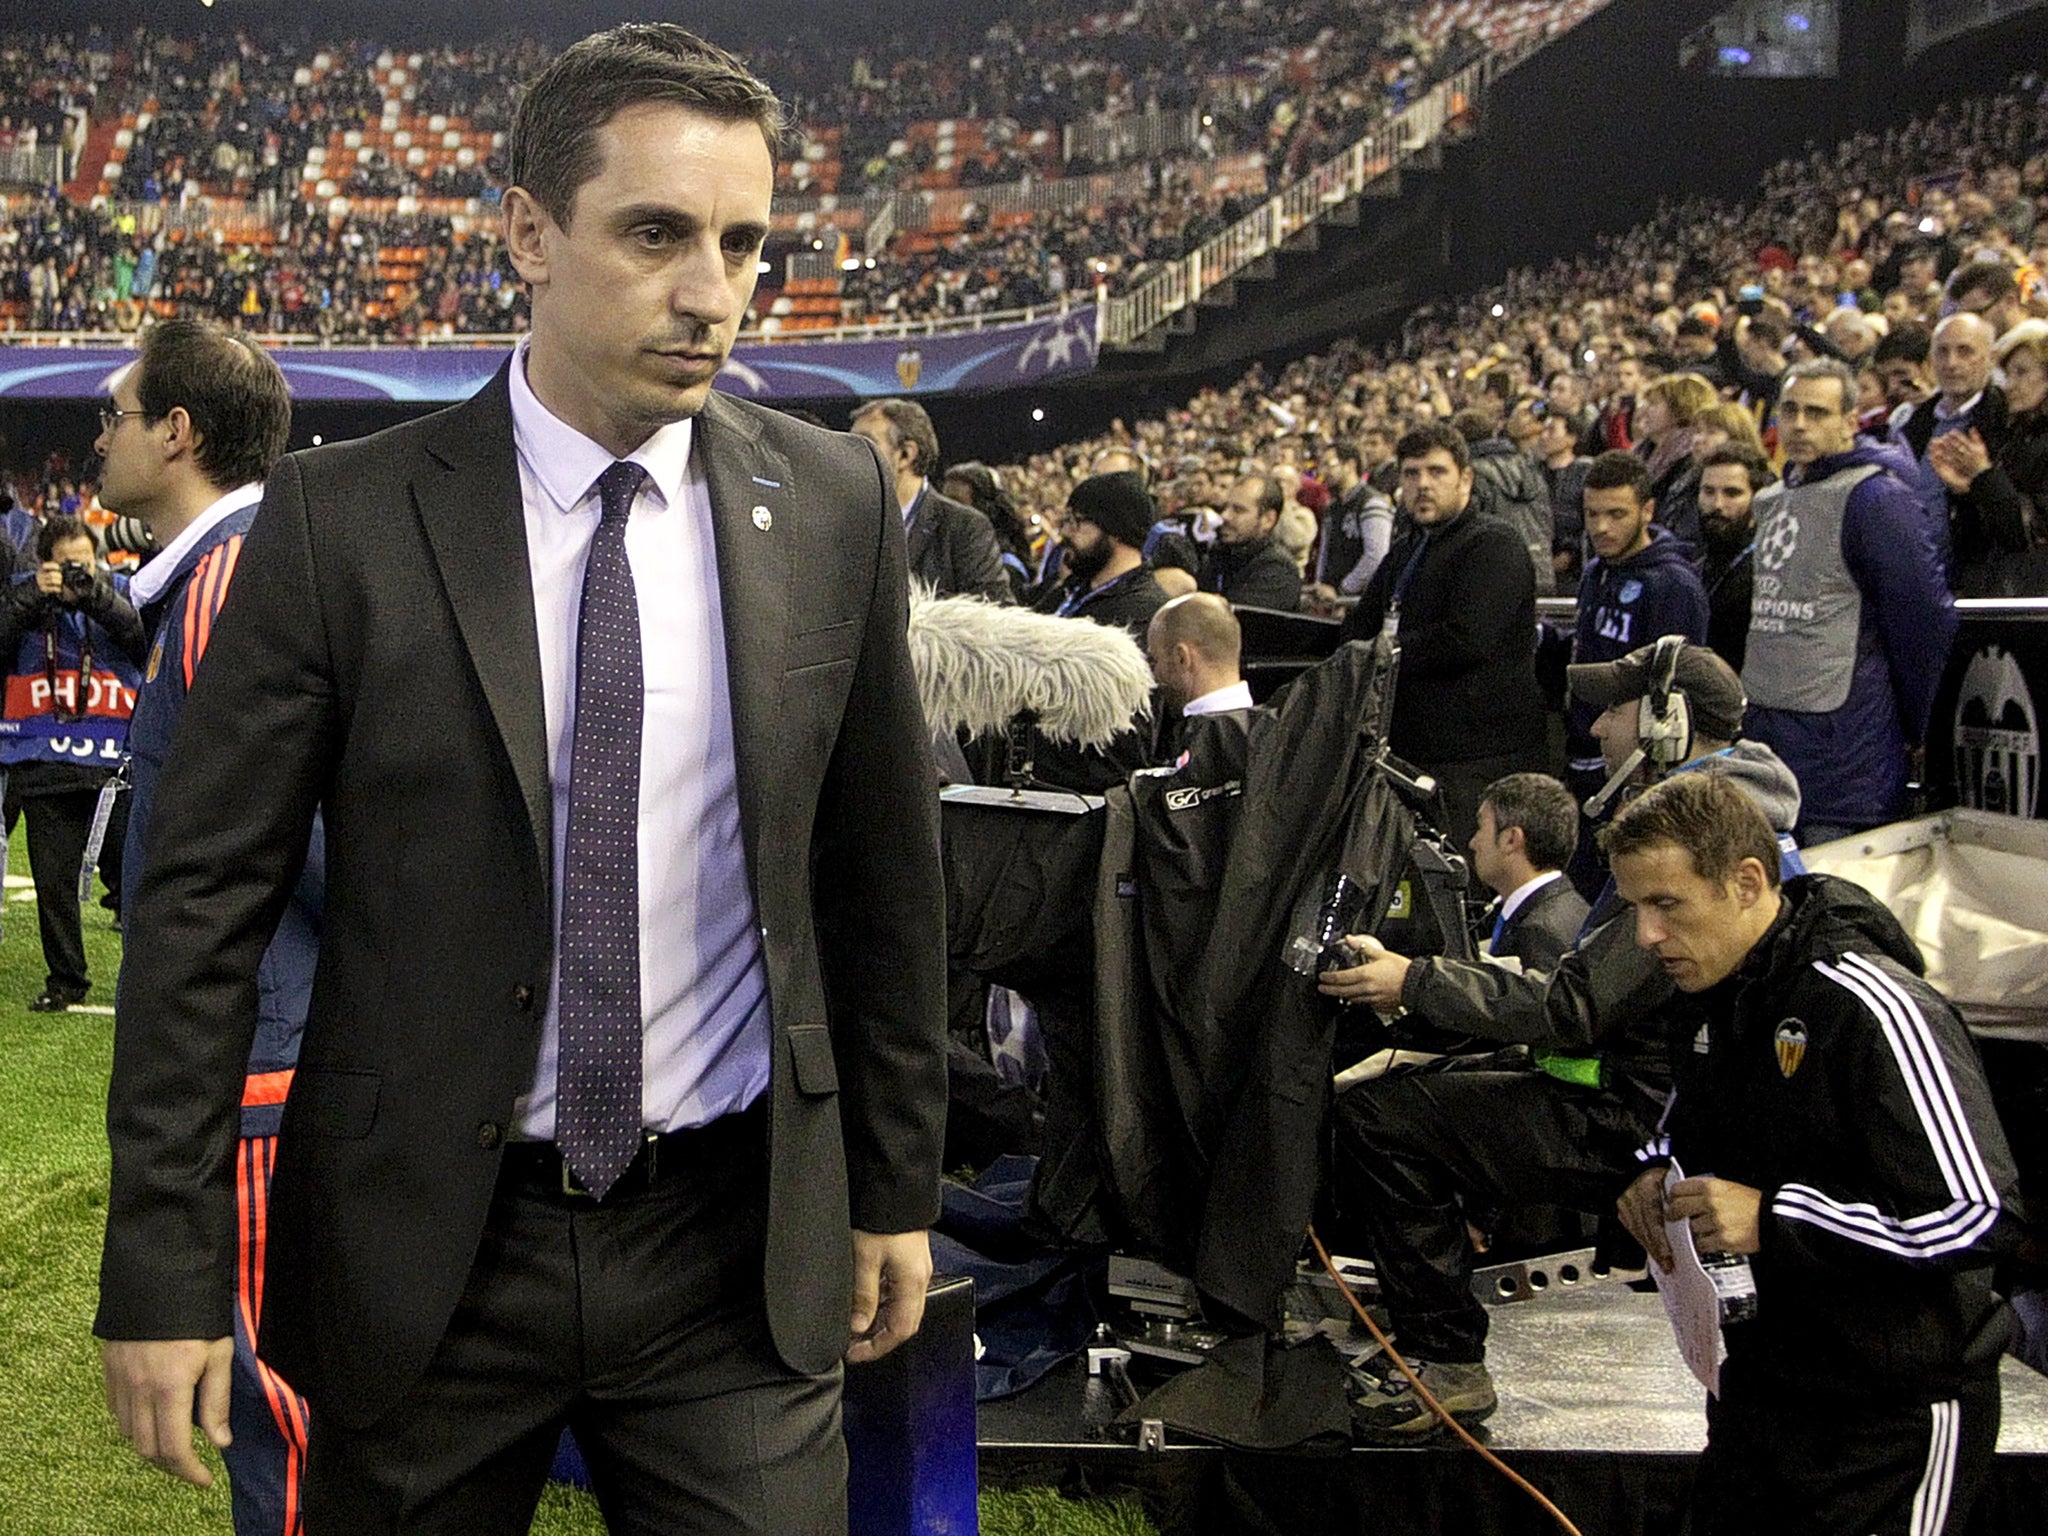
[[979, 664]]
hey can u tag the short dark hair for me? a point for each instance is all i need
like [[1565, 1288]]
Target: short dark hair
[[1272, 499], [1987, 277], [232, 389], [908, 422], [553, 149], [1707, 815], [1757, 466], [1349, 452], [1615, 469], [1476, 424], [1907, 342], [1425, 440], [55, 530], [1545, 811]]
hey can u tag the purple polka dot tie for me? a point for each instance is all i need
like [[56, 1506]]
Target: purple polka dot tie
[[597, 1114]]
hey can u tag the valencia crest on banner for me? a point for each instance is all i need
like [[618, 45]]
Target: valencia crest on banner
[[1791, 1043], [909, 367]]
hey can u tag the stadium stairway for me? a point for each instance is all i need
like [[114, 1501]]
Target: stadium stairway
[[92, 162]]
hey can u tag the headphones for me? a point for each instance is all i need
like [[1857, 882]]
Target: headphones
[[1663, 719], [1663, 723]]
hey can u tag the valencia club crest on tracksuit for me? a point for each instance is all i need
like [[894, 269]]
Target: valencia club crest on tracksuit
[[1791, 1043]]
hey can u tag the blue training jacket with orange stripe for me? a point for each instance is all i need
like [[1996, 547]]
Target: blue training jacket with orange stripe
[[178, 624], [1826, 1073]]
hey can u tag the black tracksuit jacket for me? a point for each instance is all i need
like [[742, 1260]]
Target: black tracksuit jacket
[[1827, 1074]]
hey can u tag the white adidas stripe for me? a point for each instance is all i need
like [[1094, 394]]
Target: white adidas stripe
[[1973, 1206], [1937, 1483], [1924, 1037], [1963, 1234], [1907, 1046]]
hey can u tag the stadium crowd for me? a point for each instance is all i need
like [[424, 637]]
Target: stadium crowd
[[1859, 254], [249, 117], [1766, 446]]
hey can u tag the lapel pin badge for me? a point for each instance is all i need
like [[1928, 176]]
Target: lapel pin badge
[[763, 519]]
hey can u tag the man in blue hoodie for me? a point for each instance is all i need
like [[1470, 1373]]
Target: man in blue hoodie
[[1852, 619], [1638, 587]]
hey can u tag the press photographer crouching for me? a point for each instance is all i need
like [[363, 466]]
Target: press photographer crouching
[[76, 643], [1417, 1152]]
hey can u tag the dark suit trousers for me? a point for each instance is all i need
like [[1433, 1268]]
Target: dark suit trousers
[[639, 1324]]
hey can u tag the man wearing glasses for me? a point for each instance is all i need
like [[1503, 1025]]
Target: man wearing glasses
[[1107, 519], [193, 428]]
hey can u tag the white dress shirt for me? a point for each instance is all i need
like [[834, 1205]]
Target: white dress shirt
[[1236, 696], [703, 980], [1521, 893]]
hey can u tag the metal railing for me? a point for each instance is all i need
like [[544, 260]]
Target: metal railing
[[1067, 194], [41, 166], [880, 228], [1379, 153], [1336, 181], [1145, 135], [872, 330]]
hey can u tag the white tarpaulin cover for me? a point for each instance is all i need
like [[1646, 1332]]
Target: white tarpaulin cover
[[1972, 890]]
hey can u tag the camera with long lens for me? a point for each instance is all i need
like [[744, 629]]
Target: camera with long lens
[[78, 578]]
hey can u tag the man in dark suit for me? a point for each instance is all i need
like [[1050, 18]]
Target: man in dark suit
[[953, 548], [1528, 827], [601, 681]]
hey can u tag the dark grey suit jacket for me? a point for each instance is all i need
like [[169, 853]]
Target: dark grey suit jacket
[[953, 550], [1544, 926], [378, 658]]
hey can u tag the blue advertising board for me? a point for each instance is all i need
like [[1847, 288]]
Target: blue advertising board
[[957, 362]]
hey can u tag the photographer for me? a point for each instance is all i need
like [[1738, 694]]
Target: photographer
[[77, 645]]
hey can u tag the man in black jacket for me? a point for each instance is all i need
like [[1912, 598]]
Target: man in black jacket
[[1246, 566], [1103, 533], [1460, 594], [953, 548], [1729, 481], [1837, 1127]]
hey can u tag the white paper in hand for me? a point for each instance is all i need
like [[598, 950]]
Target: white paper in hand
[[1690, 1300]]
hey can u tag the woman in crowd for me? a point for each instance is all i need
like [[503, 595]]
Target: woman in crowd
[[1666, 414]]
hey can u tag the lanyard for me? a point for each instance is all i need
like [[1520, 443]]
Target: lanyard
[[81, 701]]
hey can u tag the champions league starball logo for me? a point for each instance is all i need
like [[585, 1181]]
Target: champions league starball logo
[[1778, 542], [1997, 737]]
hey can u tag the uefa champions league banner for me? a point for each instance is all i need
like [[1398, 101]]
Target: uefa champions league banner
[[1002, 357]]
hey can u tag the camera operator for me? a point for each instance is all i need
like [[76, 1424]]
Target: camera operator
[[1835, 1121], [76, 645], [1414, 1151]]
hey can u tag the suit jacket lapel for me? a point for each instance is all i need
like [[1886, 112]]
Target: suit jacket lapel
[[753, 511], [467, 494]]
